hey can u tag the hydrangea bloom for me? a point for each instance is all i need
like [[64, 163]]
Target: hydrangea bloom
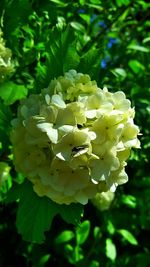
[[72, 140]]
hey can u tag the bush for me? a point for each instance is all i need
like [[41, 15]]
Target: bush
[[39, 42]]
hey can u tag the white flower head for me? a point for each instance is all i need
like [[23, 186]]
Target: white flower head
[[73, 139]]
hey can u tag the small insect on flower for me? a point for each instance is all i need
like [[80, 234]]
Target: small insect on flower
[[79, 150]]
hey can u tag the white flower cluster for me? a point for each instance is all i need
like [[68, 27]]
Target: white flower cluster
[[72, 140], [6, 66]]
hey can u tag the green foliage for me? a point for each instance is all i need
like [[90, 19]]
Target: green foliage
[[33, 221], [110, 249], [61, 56], [128, 236], [11, 92], [109, 40], [82, 232], [64, 237]]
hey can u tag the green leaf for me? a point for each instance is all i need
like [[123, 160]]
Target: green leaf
[[14, 193], [110, 227], [136, 66], [95, 6], [97, 232], [82, 232], [123, 16], [122, 2], [59, 3], [11, 92], [5, 179], [85, 17], [39, 256], [44, 260], [95, 2], [78, 254], [35, 214], [145, 40], [129, 201], [5, 116], [61, 56], [82, 2], [111, 252], [90, 62], [77, 26], [64, 237], [69, 253], [94, 263], [12, 20], [71, 213], [128, 236], [119, 73], [138, 48], [41, 74]]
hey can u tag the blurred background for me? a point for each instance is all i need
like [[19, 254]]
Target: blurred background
[[112, 40]]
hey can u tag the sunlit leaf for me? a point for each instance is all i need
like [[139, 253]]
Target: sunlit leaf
[[136, 66], [85, 17], [82, 232], [95, 4], [123, 15], [111, 252], [119, 72], [129, 201], [128, 236], [61, 56], [110, 227], [11, 92], [146, 40], [78, 26], [59, 3], [138, 48], [64, 237], [44, 259]]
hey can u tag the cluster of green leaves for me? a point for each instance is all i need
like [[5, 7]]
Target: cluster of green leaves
[[108, 40]]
